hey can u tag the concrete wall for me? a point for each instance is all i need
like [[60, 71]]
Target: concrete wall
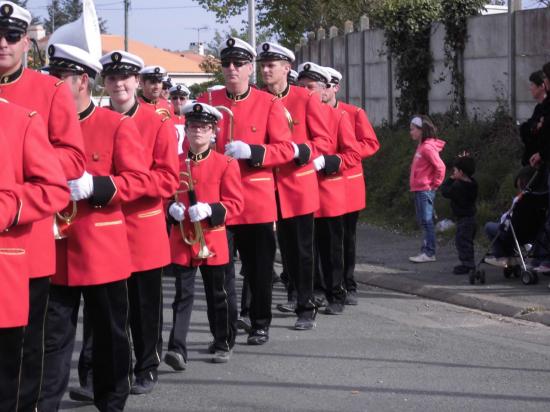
[[361, 58]]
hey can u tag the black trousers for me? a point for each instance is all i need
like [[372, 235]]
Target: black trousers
[[464, 240], [33, 345], [256, 246], [219, 310], [329, 237], [295, 236], [145, 295], [350, 245], [85, 376], [11, 342], [111, 354]]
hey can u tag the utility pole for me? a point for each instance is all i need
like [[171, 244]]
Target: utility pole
[[126, 8], [252, 31]]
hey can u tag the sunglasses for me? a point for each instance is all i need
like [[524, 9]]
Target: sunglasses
[[12, 37], [178, 97], [236, 63]]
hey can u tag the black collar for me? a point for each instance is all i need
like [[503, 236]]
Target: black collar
[[87, 111], [146, 100], [199, 156], [284, 93], [10, 78], [238, 97], [133, 110]]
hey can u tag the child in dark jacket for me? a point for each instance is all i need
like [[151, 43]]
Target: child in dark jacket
[[461, 189]]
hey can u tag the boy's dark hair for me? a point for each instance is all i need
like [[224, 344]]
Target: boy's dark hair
[[546, 70], [537, 78], [466, 164]]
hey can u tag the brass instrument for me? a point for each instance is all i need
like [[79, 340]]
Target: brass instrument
[[62, 221], [289, 119], [204, 252], [164, 113], [231, 120]]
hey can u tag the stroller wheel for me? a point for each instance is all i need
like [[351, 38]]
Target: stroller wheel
[[481, 275], [508, 272], [529, 277]]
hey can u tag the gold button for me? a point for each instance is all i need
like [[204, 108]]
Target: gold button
[[253, 128], [95, 157]]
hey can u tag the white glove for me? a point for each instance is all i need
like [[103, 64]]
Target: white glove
[[296, 150], [319, 163], [200, 211], [81, 188], [238, 150], [176, 210]]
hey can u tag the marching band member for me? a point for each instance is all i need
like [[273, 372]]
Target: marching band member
[[311, 137], [261, 141], [52, 100], [41, 190], [368, 145], [214, 179], [342, 155], [179, 96], [145, 218], [93, 259], [151, 82]]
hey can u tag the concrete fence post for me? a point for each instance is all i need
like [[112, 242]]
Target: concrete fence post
[[364, 23], [348, 27], [321, 34], [333, 32]]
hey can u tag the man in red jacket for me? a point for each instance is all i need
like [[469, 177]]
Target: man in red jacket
[[151, 81], [93, 259], [311, 137], [52, 100], [354, 179], [260, 139]]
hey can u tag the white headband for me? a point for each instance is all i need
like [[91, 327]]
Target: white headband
[[417, 121]]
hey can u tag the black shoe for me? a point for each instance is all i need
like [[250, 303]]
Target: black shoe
[[351, 298], [211, 348], [462, 270], [175, 360], [143, 385], [258, 337], [334, 309], [305, 323], [82, 394], [243, 323], [289, 307], [320, 301]]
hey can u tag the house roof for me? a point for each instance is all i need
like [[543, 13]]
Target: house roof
[[172, 62]]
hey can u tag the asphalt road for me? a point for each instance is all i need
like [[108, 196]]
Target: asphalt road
[[393, 352]]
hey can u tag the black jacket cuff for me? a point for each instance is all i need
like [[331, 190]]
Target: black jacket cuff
[[104, 191], [218, 214], [257, 155], [304, 154], [169, 219], [332, 164]]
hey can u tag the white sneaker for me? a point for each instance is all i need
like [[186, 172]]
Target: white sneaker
[[500, 262], [422, 258]]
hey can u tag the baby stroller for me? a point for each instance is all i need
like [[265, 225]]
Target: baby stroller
[[521, 224]]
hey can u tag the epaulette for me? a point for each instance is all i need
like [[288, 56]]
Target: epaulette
[[59, 83], [3, 100], [165, 113], [33, 113]]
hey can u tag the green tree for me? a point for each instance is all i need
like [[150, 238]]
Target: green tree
[[61, 12], [289, 20]]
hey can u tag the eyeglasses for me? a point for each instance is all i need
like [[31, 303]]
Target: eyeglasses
[[236, 63], [178, 97], [12, 36], [203, 127]]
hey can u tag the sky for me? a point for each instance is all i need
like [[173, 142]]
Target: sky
[[169, 24]]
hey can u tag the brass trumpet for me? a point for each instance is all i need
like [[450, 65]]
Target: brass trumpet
[[62, 221], [231, 120], [204, 252]]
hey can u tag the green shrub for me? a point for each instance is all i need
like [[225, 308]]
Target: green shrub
[[493, 142]]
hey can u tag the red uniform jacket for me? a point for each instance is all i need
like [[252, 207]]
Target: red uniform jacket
[[343, 155], [310, 132], [367, 145], [145, 218], [41, 189], [14, 284], [96, 250], [261, 122], [52, 99], [160, 103], [217, 181]]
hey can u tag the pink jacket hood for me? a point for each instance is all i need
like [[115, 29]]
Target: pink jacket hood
[[427, 168]]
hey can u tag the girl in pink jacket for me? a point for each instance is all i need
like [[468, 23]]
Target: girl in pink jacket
[[427, 173]]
